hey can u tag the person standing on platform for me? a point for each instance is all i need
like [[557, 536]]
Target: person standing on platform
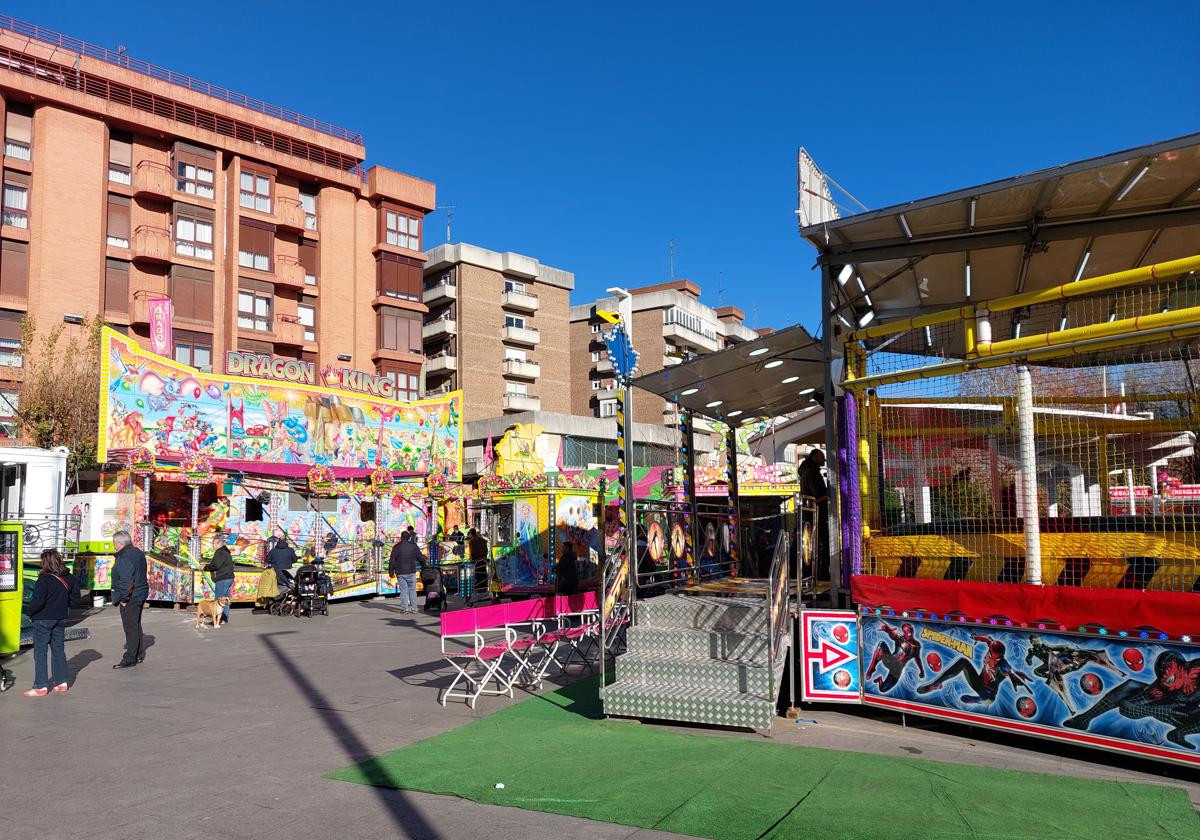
[[402, 563], [281, 558], [221, 569], [52, 596], [459, 539], [812, 483], [129, 592], [477, 553], [566, 571]]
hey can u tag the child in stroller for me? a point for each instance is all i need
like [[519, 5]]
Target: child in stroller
[[305, 594]]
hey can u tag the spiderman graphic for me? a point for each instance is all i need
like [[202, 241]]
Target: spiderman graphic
[[905, 649], [1173, 698], [985, 682]]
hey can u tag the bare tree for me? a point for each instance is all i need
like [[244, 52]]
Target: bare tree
[[59, 404]]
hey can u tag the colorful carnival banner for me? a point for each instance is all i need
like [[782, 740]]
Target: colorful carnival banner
[[829, 647], [1130, 694], [237, 422]]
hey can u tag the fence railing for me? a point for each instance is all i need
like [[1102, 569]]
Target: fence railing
[[777, 604], [120, 59], [60, 531]]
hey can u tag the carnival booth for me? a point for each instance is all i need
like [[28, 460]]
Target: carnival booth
[[283, 451], [528, 516], [1015, 441]]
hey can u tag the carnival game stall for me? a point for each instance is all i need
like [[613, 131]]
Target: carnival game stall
[[532, 517], [1022, 365], [282, 453]]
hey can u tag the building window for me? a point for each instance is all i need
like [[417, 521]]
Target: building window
[[309, 202], [402, 231], [514, 354], [595, 356], [116, 287], [18, 133], [16, 199], [595, 328], [399, 330], [595, 384], [194, 167], [194, 232], [515, 286], [191, 292], [306, 311], [14, 269], [399, 277], [10, 338], [309, 261], [117, 233], [608, 408], [254, 306], [256, 245], [517, 389], [120, 158], [193, 349], [407, 384], [255, 192]]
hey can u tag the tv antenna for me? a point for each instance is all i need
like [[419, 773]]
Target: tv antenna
[[449, 208], [720, 288], [671, 252]]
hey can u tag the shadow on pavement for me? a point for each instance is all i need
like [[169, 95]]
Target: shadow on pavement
[[408, 820], [81, 660]]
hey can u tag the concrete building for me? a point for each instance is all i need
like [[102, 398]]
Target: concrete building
[[124, 181], [670, 324], [497, 328]]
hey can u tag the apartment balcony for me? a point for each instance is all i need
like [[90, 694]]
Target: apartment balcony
[[441, 293], [521, 369], [603, 365], [289, 214], [440, 327], [139, 309], [605, 394], [679, 334], [438, 392], [154, 179], [289, 332], [521, 335], [521, 402], [441, 363], [151, 244], [289, 273], [519, 300]]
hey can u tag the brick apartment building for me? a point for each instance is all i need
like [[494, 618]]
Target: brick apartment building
[[497, 329], [124, 181], [670, 324]]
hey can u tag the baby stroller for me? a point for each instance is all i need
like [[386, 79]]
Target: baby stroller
[[310, 593], [434, 586], [7, 680]]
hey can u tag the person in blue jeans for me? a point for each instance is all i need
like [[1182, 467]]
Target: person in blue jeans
[[221, 569], [53, 593], [403, 562]]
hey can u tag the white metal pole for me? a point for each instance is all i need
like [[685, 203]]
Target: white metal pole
[[1029, 486]]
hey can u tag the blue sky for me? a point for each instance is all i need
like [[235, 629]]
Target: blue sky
[[589, 136]]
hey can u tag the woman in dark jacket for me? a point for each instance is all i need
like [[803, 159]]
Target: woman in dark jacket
[[53, 593], [566, 572]]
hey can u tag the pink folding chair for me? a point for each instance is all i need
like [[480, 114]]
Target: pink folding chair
[[476, 642]]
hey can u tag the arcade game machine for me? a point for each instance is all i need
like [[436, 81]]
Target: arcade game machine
[[339, 472]]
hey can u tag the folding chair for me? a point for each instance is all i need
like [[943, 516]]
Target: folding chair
[[485, 650]]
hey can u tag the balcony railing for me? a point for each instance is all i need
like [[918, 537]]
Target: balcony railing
[[441, 363], [289, 331], [152, 243], [522, 369], [440, 326], [289, 272], [519, 300], [64, 42], [521, 335], [521, 402], [289, 213], [153, 178], [440, 292]]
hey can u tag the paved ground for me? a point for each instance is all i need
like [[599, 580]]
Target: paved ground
[[228, 733]]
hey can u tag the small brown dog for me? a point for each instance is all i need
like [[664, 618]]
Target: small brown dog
[[211, 607]]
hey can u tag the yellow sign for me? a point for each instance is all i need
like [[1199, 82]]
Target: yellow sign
[[515, 453], [611, 317]]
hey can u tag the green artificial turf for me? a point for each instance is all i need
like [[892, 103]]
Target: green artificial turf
[[553, 753]]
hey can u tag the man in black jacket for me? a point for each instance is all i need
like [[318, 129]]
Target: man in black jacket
[[129, 592], [221, 569], [402, 563], [812, 483], [281, 558]]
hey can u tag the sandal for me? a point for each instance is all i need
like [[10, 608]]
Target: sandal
[[62, 688], [37, 692]]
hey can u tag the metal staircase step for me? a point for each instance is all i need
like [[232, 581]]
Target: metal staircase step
[[693, 705], [672, 670], [697, 612], [704, 644]]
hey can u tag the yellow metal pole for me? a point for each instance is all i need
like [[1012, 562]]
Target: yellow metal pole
[[1102, 330]]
